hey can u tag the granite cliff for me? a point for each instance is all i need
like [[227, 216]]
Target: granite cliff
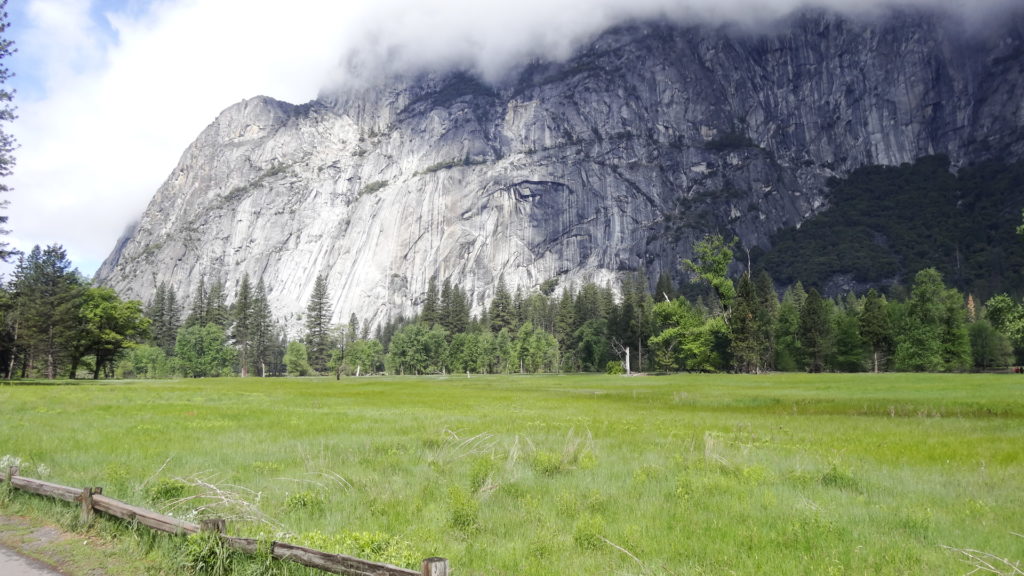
[[613, 160]]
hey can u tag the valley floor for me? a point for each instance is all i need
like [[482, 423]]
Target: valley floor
[[682, 474]]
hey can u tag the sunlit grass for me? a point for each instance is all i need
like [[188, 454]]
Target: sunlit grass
[[823, 474]]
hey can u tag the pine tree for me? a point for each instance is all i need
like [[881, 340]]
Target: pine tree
[[743, 322], [788, 352], [431, 314], [502, 314], [200, 306], [46, 290], [933, 335], [318, 319], [242, 325], [217, 311], [664, 290], [815, 331], [262, 329], [164, 314], [767, 314], [155, 312]]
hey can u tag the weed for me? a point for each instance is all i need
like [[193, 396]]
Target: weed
[[166, 489], [463, 510], [586, 533], [835, 477], [375, 546], [307, 500], [481, 474], [206, 555]]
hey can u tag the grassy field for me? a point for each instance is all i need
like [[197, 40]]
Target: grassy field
[[690, 474]]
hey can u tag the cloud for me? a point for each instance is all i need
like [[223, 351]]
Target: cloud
[[405, 36], [117, 101], [115, 90]]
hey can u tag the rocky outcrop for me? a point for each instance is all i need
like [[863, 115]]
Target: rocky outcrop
[[614, 160]]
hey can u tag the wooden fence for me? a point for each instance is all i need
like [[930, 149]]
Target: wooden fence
[[92, 500]]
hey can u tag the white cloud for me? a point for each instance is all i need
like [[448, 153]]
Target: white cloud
[[115, 114], [488, 36], [115, 111]]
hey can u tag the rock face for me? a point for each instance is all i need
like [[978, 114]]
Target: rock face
[[615, 160]]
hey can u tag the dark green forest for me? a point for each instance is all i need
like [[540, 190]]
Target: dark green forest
[[884, 224]]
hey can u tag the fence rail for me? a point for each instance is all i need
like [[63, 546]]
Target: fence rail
[[91, 499]]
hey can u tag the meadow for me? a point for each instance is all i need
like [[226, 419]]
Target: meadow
[[571, 474]]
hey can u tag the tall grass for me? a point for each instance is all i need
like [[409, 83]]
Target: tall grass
[[824, 474]]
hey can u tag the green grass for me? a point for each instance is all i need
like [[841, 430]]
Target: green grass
[[698, 474]]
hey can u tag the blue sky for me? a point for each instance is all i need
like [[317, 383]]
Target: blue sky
[[111, 92]]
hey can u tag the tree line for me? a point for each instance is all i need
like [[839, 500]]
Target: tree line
[[57, 325], [739, 326]]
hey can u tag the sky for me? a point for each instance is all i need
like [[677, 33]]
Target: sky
[[109, 93]]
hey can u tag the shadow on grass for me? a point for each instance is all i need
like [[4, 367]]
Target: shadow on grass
[[59, 382]]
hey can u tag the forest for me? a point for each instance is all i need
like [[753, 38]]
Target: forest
[[56, 325]]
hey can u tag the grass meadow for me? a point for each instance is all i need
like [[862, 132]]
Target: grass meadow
[[573, 474]]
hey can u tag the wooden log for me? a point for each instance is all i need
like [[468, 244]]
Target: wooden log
[[46, 489], [336, 563], [435, 567], [154, 520], [244, 545]]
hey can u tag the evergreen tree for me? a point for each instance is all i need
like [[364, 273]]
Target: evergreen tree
[[155, 311], [789, 356], [767, 314], [243, 325], [352, 332], [431, 303], [262, 338], [164, 314], [932, 335], [664, 290], [46, 291], [454, 308], [743, 322], [815, 331], [565, 322], [502, 314], [318, 319], [217, 311], [848, 348], [875, 329], [200, 306]]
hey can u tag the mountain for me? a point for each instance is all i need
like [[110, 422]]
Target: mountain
[[614, 160]]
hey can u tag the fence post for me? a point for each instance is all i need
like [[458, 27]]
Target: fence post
[[435, 567], [218, 525], [86, 500]]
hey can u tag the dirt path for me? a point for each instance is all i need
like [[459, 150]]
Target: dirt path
[[14, 564], [29, 547]]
